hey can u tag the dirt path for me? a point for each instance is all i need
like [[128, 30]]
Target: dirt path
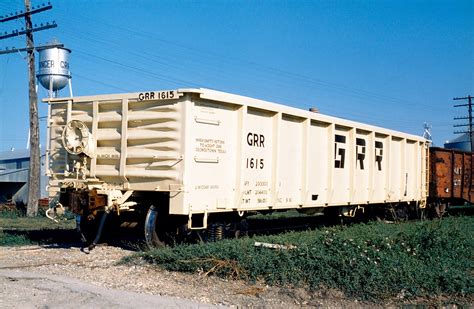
[[48, 276], [26, 289]]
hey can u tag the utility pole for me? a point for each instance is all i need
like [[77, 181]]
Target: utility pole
[[35, 156], [35, 164], [470, 131], [468, 117]]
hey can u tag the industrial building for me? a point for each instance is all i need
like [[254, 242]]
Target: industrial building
[[14, 166], [461, 142]]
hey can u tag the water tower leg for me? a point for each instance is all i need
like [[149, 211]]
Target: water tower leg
[[50, 91], [70, 86]]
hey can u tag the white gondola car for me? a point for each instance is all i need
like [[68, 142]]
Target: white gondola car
[[196, 153]]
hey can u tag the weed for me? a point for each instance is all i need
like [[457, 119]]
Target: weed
[[367, 261]]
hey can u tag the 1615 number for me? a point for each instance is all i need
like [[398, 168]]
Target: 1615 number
[[254, 163]]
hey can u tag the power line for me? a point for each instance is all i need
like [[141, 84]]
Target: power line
[[29, 49], [179, 82], [23, 32], [101, 82], [141, 70], [115, 53], [275, 72], [22, 14]]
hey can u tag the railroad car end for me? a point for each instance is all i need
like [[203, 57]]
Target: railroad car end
[[451, 179]]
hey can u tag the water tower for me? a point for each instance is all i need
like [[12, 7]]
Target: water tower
[[54, 72]]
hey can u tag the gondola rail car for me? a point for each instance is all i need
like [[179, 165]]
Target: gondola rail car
[[191, 159], [451, 176]]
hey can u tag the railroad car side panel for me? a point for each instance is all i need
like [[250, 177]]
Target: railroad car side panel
[[451, 174], [363, 169], [320, 162], [291, 162], [210, 175], [381, 169], [258, 139], [397, 175], [412, 180], [440, 184], [342, 166], [467, 179]]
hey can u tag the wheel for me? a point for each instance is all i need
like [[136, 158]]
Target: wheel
[[241, 228], [155, 228], [401, 213], [151, 237]]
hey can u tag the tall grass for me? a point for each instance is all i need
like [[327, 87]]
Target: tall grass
[[366, 261]]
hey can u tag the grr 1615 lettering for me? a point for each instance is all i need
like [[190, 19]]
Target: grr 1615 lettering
[[254, 163]]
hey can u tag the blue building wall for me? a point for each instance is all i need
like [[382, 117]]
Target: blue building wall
[[14, 176]]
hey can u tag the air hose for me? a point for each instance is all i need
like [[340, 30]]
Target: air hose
[[99, 233]]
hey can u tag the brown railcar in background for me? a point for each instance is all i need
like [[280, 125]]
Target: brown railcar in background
[[451, 176]]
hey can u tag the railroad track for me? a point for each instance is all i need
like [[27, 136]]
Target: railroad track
[[132, 238]]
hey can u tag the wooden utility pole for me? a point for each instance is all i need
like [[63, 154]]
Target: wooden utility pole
[[469, 117], [469, 131], [35, 164]]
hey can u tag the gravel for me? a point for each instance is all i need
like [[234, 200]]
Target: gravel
[[67, 277]]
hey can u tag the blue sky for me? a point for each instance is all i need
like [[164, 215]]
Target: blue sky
[[395, 64]]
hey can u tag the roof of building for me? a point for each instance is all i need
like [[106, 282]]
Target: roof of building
[[17, 154], [460, 139]]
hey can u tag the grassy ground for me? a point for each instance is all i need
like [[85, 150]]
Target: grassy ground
[[25, 223], [374, 261], [7, 239], [17, 230]]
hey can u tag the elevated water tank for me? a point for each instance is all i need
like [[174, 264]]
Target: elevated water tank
[[54, 71]]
